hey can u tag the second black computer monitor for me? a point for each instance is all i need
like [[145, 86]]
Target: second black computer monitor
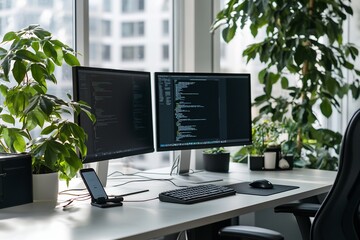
[[202, 110]]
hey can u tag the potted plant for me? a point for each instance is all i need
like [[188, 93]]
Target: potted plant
[[33, 120], [266, 137], [305, 57], [216, 159]]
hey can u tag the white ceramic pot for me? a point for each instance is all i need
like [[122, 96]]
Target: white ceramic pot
[[269, 160], [45, 187]]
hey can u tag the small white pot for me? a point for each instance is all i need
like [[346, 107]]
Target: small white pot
[[269, 160], [45, 187]]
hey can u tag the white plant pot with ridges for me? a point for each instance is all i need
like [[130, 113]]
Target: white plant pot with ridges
[[45, 187]]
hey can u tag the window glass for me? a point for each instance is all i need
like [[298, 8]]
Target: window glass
[[132, 29], [107, 5], [106, 28], [5, 4], [137, 42], [165, 51], [129, 6], [165, 27], [54, 16], [106, 52]]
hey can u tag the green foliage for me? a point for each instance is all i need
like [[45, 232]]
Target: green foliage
[[304, 54], [27, 67], [264, 134], [216, 150]]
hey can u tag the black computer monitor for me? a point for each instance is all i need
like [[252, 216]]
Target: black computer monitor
[[202, 110], [121, 102]]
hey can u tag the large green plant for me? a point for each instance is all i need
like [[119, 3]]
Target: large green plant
[[304, 54], [28, 61]]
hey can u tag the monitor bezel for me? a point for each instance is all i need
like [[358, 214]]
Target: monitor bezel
[[198, 146], [110, 156]]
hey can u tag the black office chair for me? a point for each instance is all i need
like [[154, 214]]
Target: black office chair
[[337, 218]]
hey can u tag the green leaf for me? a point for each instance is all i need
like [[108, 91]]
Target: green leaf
[[254, 29], [14, 139], [325, 107], [38, 73], [73, 160], [262, 75], [4, 89], [59, 56], [33, 102], [50, 155], [27, 55], [71, 59], [48, 129], [284, 83], [41, 33], [7, 118], [35, 46], [49, 50], [229, 33], [19, 71], [19, 143], [6, 68], [50, 66], [300, 55], [46, 105], [9, 36], [39, 118], [3, 52]]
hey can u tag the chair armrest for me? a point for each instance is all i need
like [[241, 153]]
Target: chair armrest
[[299, 209], [249, 232]]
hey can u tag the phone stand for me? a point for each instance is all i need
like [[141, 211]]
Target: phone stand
[[107, 202]]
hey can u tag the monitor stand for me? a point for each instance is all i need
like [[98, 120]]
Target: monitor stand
[[101, 169], [183, 170]]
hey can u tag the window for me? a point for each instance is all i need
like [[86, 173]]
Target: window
[[166, 5], [14, 16], [107, 5], [5, 4], [93, 28], [46, 3], [132, 29], [106, 28], [130, 47], [106, 52], [165, 52], [132, 53], [93, 52], [129, 6], [165, 27]]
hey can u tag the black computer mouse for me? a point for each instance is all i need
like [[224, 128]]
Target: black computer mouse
[[263, 184]]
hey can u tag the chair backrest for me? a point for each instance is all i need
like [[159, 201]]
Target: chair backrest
[[337, 217]]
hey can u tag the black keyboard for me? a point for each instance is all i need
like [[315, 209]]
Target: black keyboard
[[195, 194]]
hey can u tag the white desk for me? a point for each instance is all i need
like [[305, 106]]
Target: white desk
[[145, 220]]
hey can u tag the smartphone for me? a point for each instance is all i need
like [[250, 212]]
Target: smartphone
[[97, 192]]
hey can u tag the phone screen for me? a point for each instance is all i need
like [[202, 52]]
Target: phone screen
[[93, 184]]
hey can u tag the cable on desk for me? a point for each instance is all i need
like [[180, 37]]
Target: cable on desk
[[69, 191], [148, 180], [133, 174], [78, 197]]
